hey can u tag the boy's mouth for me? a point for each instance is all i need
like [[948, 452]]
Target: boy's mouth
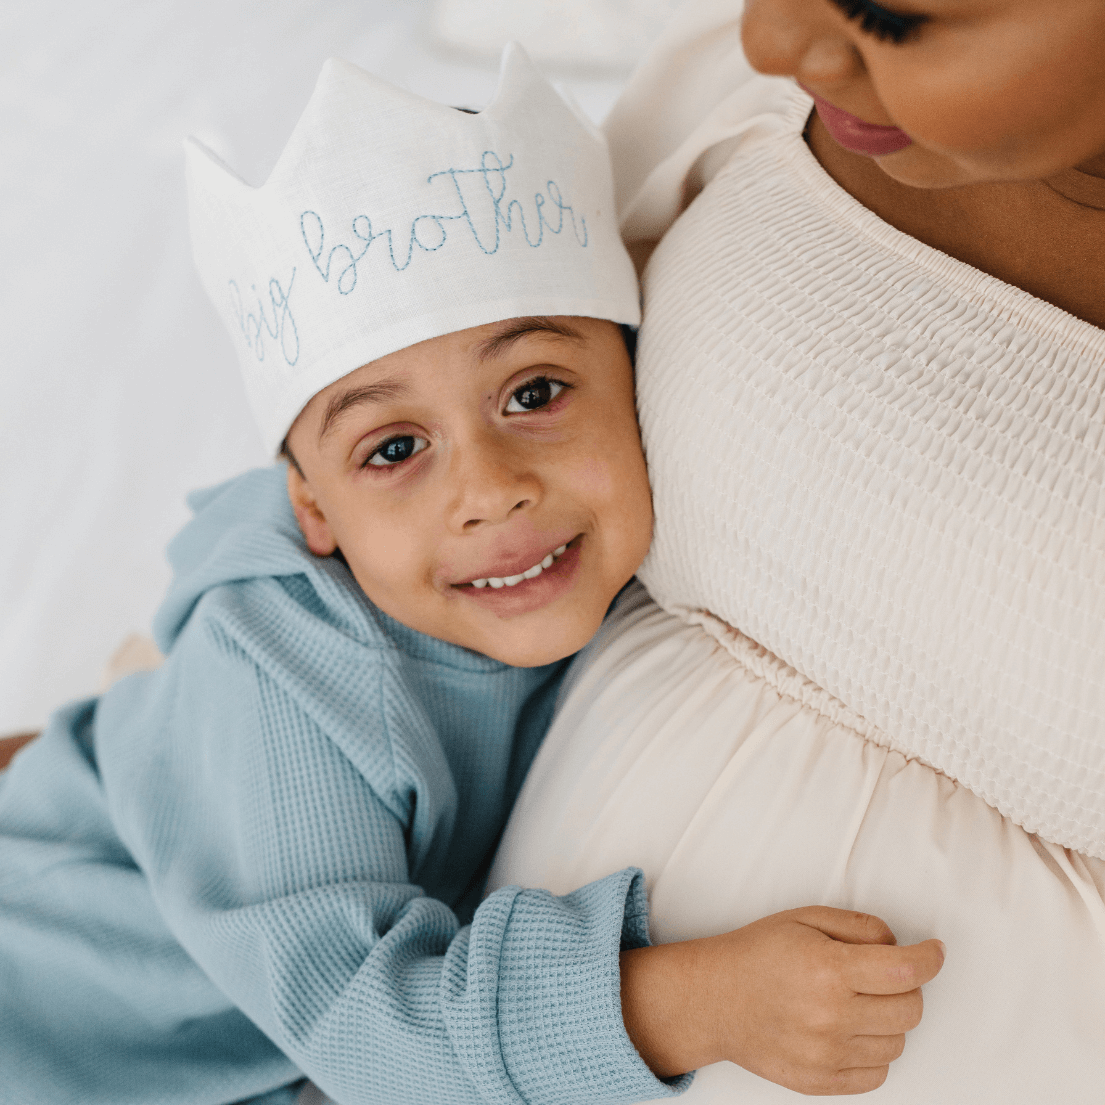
[[531, 588], [530, 573]]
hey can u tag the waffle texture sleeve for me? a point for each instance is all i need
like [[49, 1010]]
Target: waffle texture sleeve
[[286, 859]]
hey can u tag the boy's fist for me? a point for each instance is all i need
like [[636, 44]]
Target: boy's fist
[[815, 999]]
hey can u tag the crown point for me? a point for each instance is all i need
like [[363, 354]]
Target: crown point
[[389, 219]]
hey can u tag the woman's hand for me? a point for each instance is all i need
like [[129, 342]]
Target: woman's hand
[[815, 999]]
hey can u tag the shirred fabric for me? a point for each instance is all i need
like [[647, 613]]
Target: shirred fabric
[[888, 469], [882, 465], [264, 860]]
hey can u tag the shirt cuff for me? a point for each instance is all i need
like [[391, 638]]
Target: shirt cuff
[[561, 1031]]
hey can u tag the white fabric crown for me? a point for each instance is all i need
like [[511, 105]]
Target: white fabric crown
[[390, 219]]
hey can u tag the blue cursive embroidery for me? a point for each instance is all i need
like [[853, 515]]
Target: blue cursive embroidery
[[255, 325], [472, 188]]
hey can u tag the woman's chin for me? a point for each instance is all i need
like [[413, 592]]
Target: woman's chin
[[916, 167]]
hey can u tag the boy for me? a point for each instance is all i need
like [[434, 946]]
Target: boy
[[255, 863]]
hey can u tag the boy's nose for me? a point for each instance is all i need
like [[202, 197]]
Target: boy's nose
[[491, 482]]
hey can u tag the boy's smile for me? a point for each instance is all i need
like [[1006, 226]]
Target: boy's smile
[[516, 589], [486, 487]]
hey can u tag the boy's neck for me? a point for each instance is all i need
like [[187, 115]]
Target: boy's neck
[[1025, 233]]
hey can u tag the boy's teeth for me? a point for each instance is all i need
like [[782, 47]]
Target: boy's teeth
[[529, 573]]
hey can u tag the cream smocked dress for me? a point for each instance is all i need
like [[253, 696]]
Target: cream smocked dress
[[873, 676]]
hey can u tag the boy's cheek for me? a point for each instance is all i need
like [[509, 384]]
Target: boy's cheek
[[388, 563], [602, 472], [593, 476]]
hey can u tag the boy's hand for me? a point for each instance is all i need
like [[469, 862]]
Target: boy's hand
[[815, 999]]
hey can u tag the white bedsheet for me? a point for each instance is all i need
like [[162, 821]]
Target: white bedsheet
[[118, 390]]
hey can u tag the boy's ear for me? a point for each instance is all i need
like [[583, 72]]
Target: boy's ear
[[312, 522]]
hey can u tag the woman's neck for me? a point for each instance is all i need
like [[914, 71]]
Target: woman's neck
[[1050, 241]]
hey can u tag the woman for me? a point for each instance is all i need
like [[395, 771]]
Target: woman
[[872, 391]]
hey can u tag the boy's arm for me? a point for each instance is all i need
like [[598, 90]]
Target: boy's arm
[[282, 868]]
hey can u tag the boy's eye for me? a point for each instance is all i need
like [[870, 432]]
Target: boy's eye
[[889, 26], [396, 450], [533, 395]]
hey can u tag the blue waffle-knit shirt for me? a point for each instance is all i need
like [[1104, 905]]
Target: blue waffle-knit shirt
[[265, 861]]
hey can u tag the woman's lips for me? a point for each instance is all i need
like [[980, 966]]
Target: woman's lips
[[854, 134]]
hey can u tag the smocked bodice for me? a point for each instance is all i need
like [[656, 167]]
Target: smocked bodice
[[888, 469]]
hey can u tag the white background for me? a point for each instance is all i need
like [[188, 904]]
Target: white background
[[118, 388]]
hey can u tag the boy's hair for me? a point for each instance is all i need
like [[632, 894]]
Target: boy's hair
[[285, 454]]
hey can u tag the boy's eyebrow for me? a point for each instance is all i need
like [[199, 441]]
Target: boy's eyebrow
[[369, 393], [493, 347], [517, 328]]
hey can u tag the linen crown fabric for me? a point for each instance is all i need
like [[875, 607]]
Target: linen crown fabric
[[390, 219]]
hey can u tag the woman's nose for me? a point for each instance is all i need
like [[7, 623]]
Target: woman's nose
[[491, 482], [805, 39]]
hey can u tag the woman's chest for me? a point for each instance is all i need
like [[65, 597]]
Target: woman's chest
[[1047, 238], [891, 477]]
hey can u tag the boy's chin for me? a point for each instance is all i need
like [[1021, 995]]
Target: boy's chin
[[534, 654], [534, 642]]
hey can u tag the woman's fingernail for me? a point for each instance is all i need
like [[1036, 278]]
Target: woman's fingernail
[[943, 949]]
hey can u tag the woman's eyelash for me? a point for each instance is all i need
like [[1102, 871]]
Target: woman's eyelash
[[878, 21]]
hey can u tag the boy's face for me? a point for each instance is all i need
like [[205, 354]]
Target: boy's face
[[477, 456]]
